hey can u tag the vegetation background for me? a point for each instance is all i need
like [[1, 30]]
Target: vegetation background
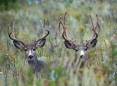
[[25, 18]]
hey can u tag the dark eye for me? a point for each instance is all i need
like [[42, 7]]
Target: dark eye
[[33, 49]]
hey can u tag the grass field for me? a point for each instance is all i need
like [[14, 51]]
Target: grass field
[[27, 23]]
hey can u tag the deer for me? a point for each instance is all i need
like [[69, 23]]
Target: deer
[[80, 49], [30, 52]]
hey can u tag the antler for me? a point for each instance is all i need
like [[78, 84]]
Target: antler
[[45, 22], [63, 25], [44, 37], [68, 43], [46, 34], [14, 39], [17, 43], [93, 41]]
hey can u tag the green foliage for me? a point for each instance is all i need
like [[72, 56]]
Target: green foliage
[[114, 52], [8, 4]]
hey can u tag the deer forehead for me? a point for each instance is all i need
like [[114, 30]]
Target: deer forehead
[[30, 46], [30, 52]]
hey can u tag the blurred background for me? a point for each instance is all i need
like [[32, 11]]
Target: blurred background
[[26, 19]]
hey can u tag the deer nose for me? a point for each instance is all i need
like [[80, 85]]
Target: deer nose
[[30, 57], [81, 56]]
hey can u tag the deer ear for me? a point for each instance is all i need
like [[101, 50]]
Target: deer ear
[[18, 44], [69, 45], [93, 42], [40, 43]]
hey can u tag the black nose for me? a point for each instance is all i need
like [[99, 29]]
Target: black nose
[[30, 57], [81, 56]]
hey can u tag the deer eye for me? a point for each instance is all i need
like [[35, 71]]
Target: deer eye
[[25, 49], [34, 49]]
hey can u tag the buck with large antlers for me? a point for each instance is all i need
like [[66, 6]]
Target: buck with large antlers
[[81, 49], [30, 51]]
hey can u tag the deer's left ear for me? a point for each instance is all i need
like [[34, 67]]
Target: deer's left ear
[[40, 43]]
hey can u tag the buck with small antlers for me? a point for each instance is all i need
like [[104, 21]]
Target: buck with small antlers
[[81, 49], [30, 52]]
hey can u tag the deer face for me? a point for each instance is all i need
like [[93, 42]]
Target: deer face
[[30, 49], [81, 49], [30, 52]]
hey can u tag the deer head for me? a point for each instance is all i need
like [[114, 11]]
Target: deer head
[[84, 47], [30, 50]]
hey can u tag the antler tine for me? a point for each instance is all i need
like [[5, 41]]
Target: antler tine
[[64, 18], [43, 36], [11, 37], [93, 41], [46, 34], [62, 22], [14, 39], [64, 31], [97, 24], [46, 22], [93, 27]]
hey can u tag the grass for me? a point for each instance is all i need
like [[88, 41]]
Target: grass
[[27, 23]]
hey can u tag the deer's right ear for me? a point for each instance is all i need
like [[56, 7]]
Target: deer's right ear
[[70, 45], [18, 44]]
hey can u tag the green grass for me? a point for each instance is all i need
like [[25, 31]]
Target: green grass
[[27, 22]]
